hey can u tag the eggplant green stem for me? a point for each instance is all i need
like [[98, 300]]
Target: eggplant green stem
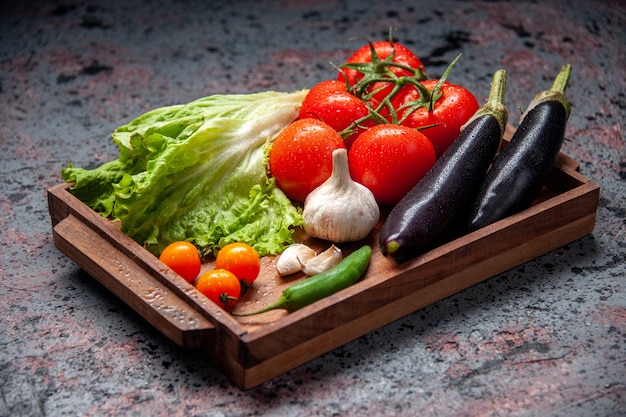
[[495, 103], [556, 92]]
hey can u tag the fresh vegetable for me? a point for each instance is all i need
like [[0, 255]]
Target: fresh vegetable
[[293, 258], [340, 210], [197, 172], [300, 257], [220, 286], [301, 157], [323, 261], [447, 109], [330, 102], [241, 259], [389, 160], [368, 68], [520, 170], [309, 290], [182, 258], [421, 218]]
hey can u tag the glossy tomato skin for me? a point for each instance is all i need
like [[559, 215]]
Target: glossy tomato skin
[[330, 102], [183, 258], [241, 259], [301, 157], [389, 160], [220, 286], [383, 49], [451, 111]]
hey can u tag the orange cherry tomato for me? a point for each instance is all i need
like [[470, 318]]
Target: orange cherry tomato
[[183, 258], [241, 259], [220, 286]]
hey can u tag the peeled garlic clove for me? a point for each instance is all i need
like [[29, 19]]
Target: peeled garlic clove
[[322, 262], [292, 258]]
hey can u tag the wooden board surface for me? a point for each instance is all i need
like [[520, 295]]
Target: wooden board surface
[[252, 350]]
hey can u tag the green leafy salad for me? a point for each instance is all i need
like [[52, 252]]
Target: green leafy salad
[[197, 172]]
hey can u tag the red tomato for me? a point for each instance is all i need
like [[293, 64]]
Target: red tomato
[[389, 160], [241, 259], [330, 102], [301, 157], [402, 55], [220, 286], [450, 112], [182, 258]]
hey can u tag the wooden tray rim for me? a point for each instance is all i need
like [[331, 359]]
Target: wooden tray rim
[[229, 327]]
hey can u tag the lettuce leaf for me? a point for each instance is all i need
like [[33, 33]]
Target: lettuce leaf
[[197, 172]]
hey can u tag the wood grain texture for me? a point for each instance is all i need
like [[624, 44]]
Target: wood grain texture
[[172, 316]]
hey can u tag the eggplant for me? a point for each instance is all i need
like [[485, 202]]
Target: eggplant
[[519, 172], [420, 219]]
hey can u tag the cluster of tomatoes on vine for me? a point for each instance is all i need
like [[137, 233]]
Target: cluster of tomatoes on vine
[[394, 121]]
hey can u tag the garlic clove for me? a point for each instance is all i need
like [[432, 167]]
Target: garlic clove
[[292, 258], [322, 262]]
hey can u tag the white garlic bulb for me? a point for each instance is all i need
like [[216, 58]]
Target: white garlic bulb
[[340, 210]]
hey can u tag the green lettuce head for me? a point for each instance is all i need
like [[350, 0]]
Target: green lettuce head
[[197, 172]]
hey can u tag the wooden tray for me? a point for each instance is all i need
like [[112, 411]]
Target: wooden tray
[[252, 350]]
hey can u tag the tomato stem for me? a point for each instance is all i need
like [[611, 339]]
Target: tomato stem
[[227, 299], [378, 71], [435, 95]]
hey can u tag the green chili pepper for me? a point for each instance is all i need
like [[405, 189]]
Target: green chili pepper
[[309, 290]]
